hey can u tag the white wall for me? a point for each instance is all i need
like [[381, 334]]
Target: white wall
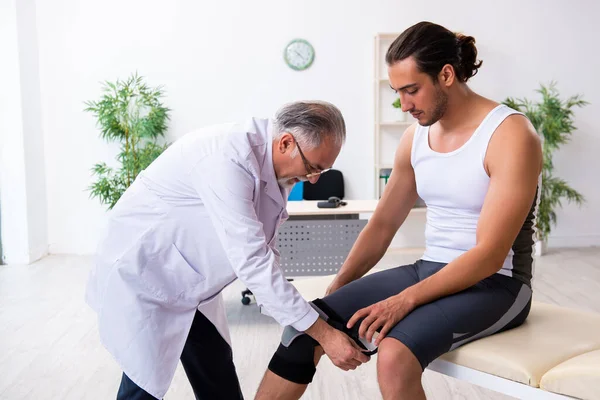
[[12, 158], [22, 178], [35, 165], [222, 61]]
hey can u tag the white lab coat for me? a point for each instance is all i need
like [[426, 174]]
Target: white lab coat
[[203, 214]]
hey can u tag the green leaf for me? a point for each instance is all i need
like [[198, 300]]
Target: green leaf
[[131, 113], [553, 119]]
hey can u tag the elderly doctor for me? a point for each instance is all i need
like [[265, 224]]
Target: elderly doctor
[[203, 214]]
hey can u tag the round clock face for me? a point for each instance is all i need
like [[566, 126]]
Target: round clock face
[[299, 54]]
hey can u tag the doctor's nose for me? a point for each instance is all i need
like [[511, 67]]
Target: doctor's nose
[[314, 179]]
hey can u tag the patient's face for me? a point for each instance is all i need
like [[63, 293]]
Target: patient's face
[[420, 95]]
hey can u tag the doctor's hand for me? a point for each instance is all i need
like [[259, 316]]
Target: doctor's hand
[[341, 349]]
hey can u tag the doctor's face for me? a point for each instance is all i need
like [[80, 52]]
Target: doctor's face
[[304, 164]]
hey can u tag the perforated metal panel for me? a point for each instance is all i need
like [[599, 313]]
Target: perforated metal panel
[[316, 247]]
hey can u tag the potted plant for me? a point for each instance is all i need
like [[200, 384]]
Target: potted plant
[[131, 113], [398, 104], [552, 118]]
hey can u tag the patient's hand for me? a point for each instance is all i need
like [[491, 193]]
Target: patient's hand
[[384, 314]]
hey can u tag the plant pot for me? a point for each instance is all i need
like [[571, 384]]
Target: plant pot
[[541, 247]]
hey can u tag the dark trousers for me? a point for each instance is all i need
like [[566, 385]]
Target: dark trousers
[[208, 363]]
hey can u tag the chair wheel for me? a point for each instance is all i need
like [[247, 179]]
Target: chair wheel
[[245, 300]]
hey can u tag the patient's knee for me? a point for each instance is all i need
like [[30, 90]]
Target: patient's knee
[[295, 360], [396, 361]]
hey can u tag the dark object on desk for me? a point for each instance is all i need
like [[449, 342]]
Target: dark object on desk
[[332, 202], [330, 184]]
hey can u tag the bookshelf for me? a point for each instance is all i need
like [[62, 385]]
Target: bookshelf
[[390, 122]]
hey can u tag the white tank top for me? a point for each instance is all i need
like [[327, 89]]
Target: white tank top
[[453, 186]]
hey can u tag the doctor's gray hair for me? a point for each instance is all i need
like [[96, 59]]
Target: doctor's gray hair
[[310, 122]]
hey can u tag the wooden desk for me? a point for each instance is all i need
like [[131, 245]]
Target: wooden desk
[[309, 207]]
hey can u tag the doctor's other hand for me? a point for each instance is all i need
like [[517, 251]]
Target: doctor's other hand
[[339, 347]]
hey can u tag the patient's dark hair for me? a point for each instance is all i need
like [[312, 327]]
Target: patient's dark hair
[[433, 46]]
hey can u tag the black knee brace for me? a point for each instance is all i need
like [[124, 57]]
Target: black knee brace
[[295, 362], [294, 358]]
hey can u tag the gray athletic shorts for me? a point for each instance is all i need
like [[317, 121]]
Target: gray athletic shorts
[[495, 304]]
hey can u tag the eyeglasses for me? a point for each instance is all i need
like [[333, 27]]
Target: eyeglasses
[[308, 166]]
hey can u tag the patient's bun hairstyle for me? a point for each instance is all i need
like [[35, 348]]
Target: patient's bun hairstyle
[[433, 46]]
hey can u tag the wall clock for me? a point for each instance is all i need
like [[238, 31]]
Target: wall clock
[[299, 54]]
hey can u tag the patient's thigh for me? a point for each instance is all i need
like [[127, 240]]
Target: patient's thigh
[[371, 289]]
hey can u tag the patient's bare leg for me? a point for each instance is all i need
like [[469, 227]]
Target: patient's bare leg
[[274, 387]]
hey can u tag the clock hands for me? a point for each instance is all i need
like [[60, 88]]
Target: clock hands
[[300, 55]]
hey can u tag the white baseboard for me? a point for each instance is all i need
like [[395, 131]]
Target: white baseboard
[[15, 259], [38, 253], [574, 241], [86, 250], [26, 258]]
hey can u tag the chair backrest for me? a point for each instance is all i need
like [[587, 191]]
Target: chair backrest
[[331, 183]]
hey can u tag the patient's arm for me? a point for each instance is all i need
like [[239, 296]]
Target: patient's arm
[[398, 198], [514, 163]]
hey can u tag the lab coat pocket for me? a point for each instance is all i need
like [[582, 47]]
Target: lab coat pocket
[[171, 279]]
